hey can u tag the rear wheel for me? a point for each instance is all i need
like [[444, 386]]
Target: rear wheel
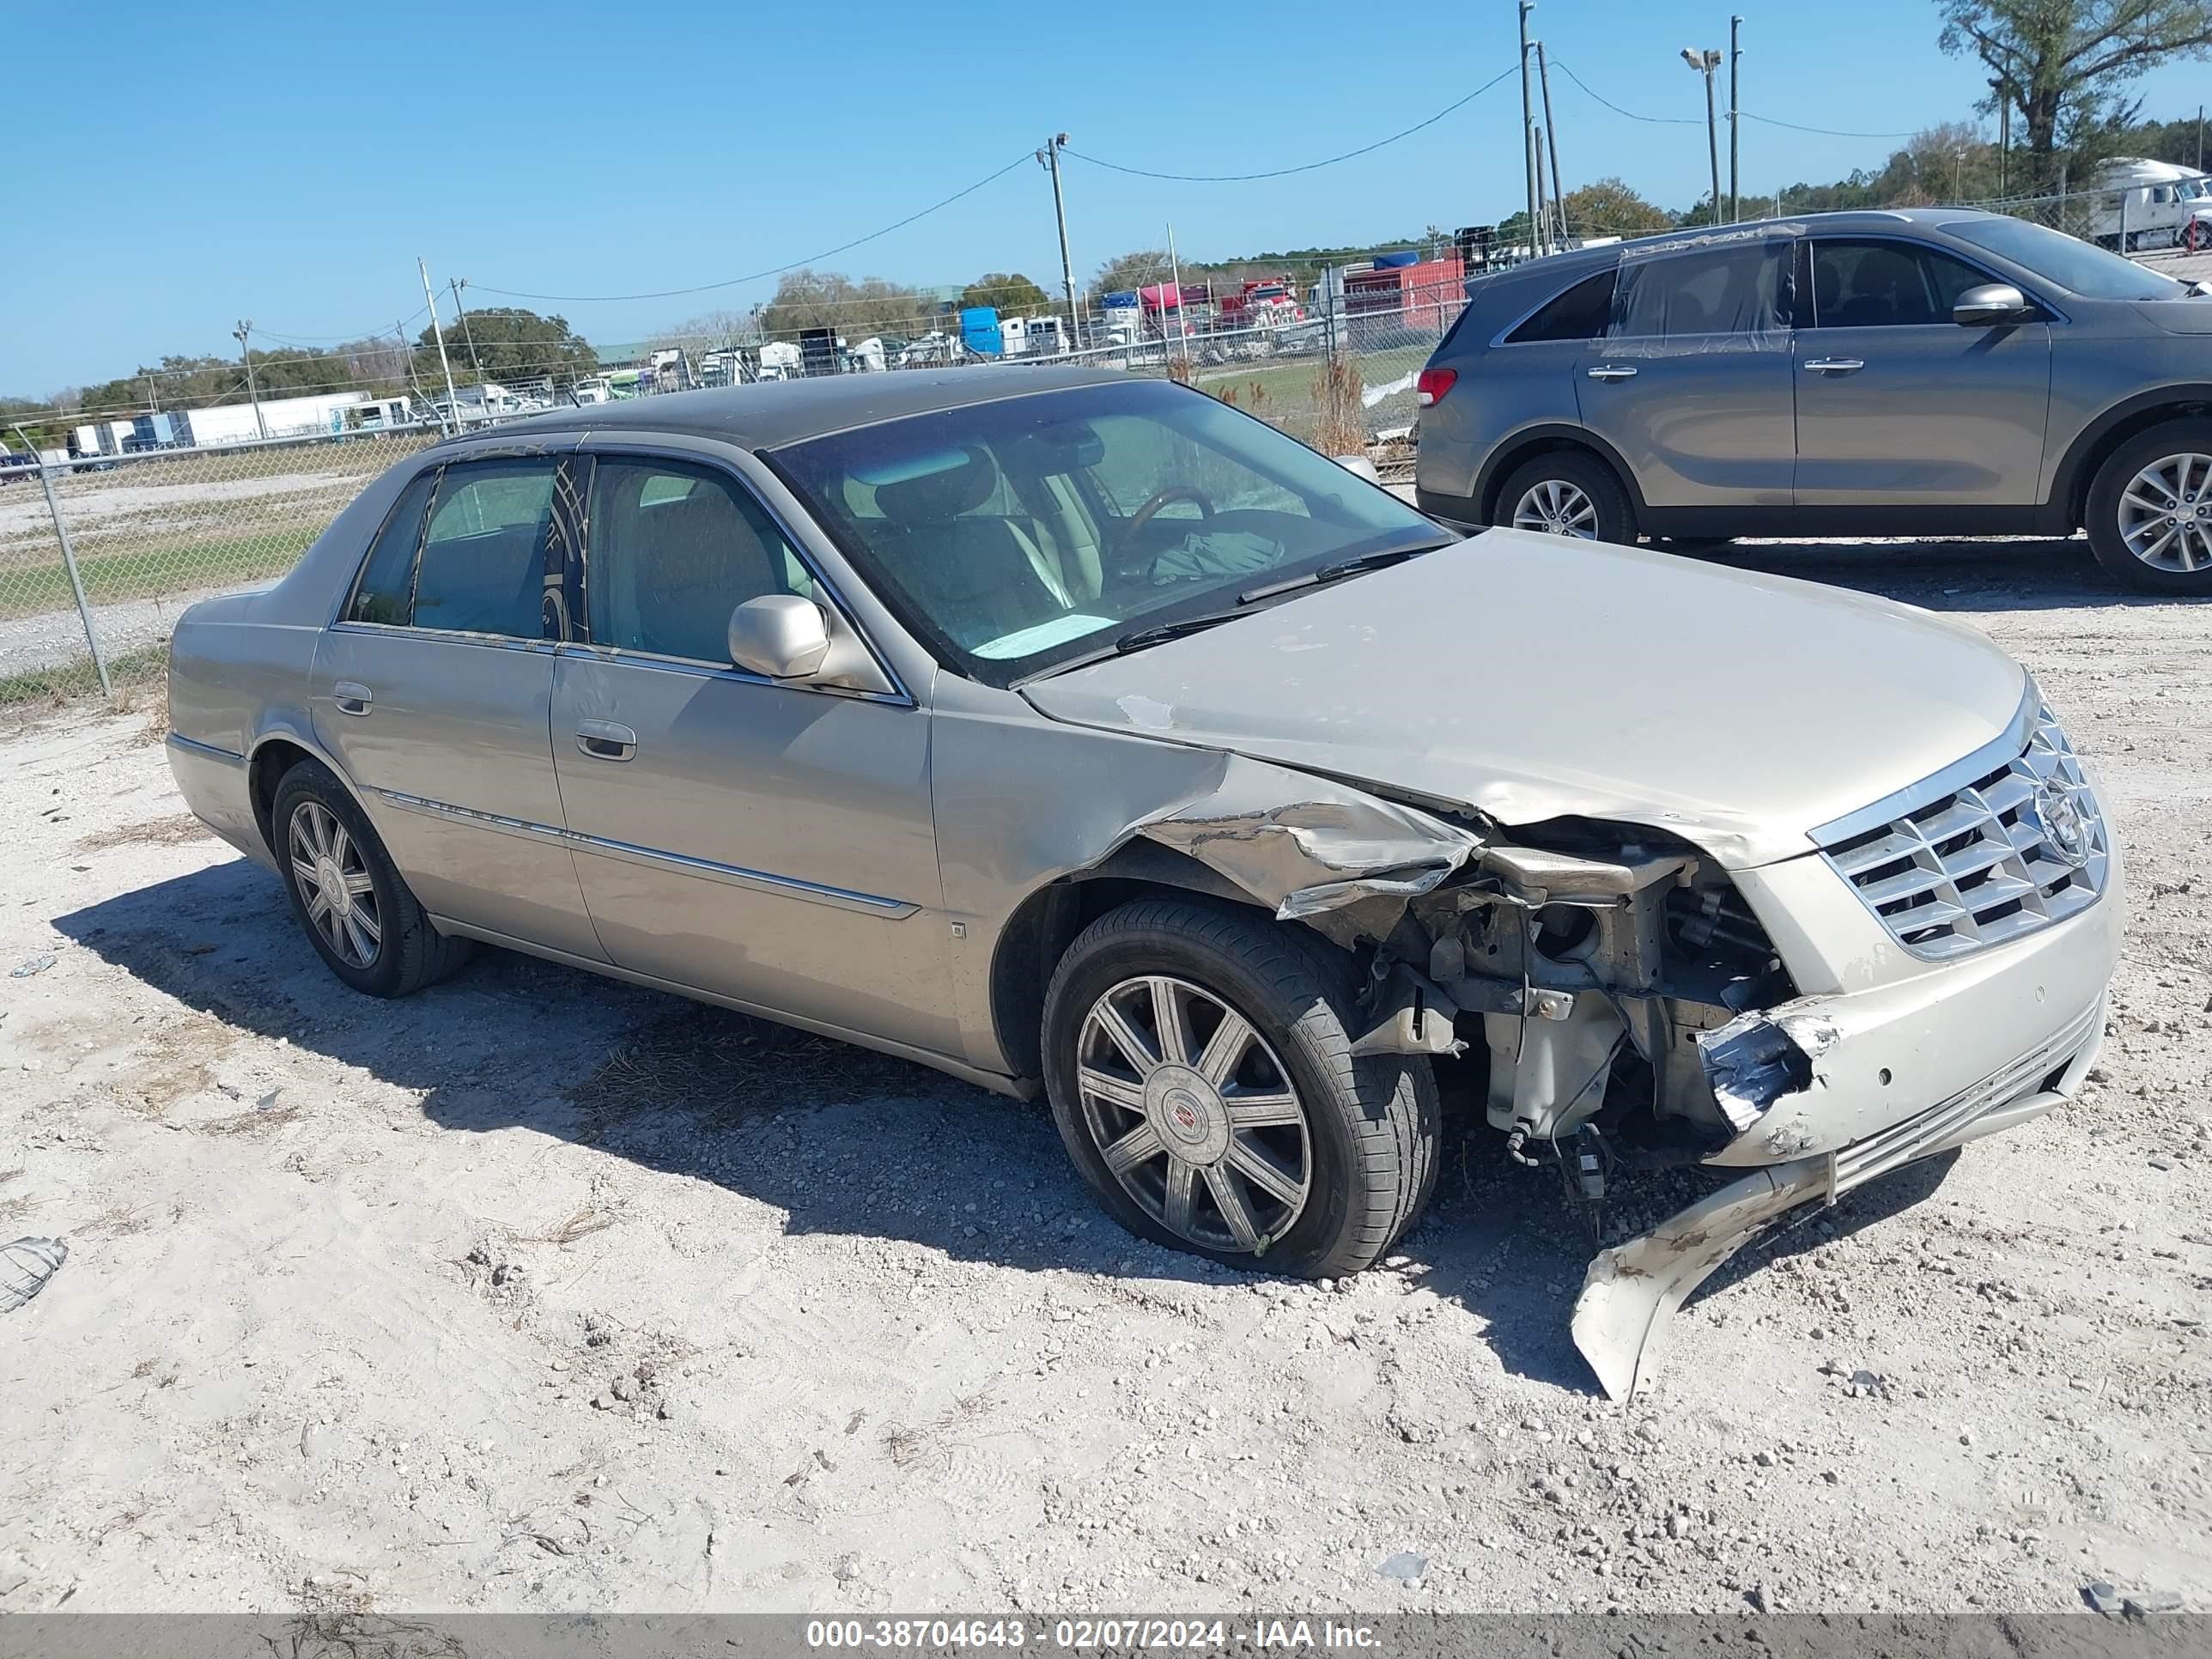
[[2149, 510], [1198, 1058], [1566, 492], [346, 894]]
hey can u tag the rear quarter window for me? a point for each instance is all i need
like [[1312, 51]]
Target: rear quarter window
[[1581, 313]]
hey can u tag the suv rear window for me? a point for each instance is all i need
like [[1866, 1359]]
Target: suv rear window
[[1579, 313]]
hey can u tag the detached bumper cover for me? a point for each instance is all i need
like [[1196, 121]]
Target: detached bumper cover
[[1632, 1290]]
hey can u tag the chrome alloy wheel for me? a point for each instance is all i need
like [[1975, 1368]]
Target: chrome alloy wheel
[[1194, 1114], [2165, 513], [335, 885], [1556, 508]]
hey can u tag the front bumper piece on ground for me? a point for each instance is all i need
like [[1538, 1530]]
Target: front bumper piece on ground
[[1632, 1289]]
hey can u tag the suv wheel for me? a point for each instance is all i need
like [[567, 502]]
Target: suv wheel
[[1566, 492], [1198, 1058], [347, 893], [2150, 510]]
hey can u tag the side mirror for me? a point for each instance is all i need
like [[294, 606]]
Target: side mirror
[[1990, 304], [780, 635]]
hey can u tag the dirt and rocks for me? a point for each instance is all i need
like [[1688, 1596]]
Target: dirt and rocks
[[538, 1291]]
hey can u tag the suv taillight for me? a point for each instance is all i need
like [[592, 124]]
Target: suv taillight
[[1429, 391]]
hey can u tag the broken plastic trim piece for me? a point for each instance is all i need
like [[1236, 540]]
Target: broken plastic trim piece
[[1309, 849]]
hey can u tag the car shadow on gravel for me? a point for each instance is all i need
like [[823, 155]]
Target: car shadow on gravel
[[2003, 574], [842, 1140]]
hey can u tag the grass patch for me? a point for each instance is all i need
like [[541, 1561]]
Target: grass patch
[[155, 573], [52, 688]]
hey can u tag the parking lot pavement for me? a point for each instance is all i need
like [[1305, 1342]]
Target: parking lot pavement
[[538, 1291]]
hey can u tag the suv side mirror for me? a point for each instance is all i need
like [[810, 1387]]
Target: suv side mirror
[[1990, 304], [780, 635]]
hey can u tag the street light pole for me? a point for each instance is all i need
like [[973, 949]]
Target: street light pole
[[1528, 125], [1735, 118], [241, 334], [1552, 142], [1705, 62]]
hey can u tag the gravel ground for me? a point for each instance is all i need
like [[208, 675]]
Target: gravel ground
[[541, 1293]]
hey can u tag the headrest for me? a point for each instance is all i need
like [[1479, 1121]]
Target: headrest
[[963, 482]]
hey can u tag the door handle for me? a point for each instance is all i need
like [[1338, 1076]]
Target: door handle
[[604, 740], [1613, 372], [351, 698], [1834, 365]]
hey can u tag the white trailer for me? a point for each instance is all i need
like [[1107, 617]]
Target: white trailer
[[2155, 202]]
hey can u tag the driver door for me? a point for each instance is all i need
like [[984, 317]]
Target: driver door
[[770, 843]]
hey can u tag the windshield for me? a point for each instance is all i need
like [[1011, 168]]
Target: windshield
[[1015, 535], [2074, 265]]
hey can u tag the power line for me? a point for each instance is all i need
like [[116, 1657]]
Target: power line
[[1825, 132], [1309, 166], [760, 276], [1655, 120]]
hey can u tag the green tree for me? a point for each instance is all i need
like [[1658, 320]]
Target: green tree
[[1607, 207], [1010, 294], [1126, 272], [505, 342], [832, 299], [2064, 65]]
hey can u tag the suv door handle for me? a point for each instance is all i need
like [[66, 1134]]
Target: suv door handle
[[1834, 365], [604, 740], [351, 698], [1613, 372]]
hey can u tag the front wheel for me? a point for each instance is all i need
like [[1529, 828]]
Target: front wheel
[[1566, 492], [1198, 1057], [2149, 510]]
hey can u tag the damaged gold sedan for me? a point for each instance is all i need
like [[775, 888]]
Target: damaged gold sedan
[[1069, 733]]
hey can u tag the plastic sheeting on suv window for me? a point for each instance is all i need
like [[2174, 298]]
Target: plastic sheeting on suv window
[[1730, 290]]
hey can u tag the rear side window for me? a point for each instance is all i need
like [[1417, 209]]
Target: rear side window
[[1579, 313], [1734, 289], [484, 565], [385, 592]]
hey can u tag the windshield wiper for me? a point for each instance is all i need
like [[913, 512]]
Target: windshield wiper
[[1339, 570], [1163, 632]]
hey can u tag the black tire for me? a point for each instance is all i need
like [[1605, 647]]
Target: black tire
[[409, 953], [2105, 506], [1579, 469], [1370, 1126]]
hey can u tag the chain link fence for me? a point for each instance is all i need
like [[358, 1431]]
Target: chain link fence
[[98, 556]]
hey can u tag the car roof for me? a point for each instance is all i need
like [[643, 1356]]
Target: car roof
[[774, 413]]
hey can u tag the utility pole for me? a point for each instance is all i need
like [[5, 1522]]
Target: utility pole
[[240, 333], [1736, 116], [1551, 138], [1174, 276], [1048, 157], [1528, 126], [2200, 137], [452, 398], [458, 283], [1705, 62], [1543, 206]]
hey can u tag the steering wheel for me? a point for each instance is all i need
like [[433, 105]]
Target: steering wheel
[[1144, 514]]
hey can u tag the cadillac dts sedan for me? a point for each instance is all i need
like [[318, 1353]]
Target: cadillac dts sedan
[[1074, 734]]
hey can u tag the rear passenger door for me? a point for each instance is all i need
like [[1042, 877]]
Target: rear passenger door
[[1690, 384], [770, 842], [1899, 406], [432, 687]]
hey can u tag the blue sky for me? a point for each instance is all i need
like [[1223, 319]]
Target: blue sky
[[176, 168]]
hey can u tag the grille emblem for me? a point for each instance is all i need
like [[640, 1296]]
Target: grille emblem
[[2059, 816]]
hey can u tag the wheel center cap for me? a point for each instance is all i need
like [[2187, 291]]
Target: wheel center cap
[[1187, 1112], [330, 879]]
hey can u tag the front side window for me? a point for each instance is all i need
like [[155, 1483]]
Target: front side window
[[1014, 535], [482, 569], [674, 549], [1734, 288], [2071, 262], [1885, 284]]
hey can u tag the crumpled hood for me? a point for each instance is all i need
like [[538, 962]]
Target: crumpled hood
[[1533, 677]]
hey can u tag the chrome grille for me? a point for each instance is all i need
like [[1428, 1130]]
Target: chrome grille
[[1973, 865]]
